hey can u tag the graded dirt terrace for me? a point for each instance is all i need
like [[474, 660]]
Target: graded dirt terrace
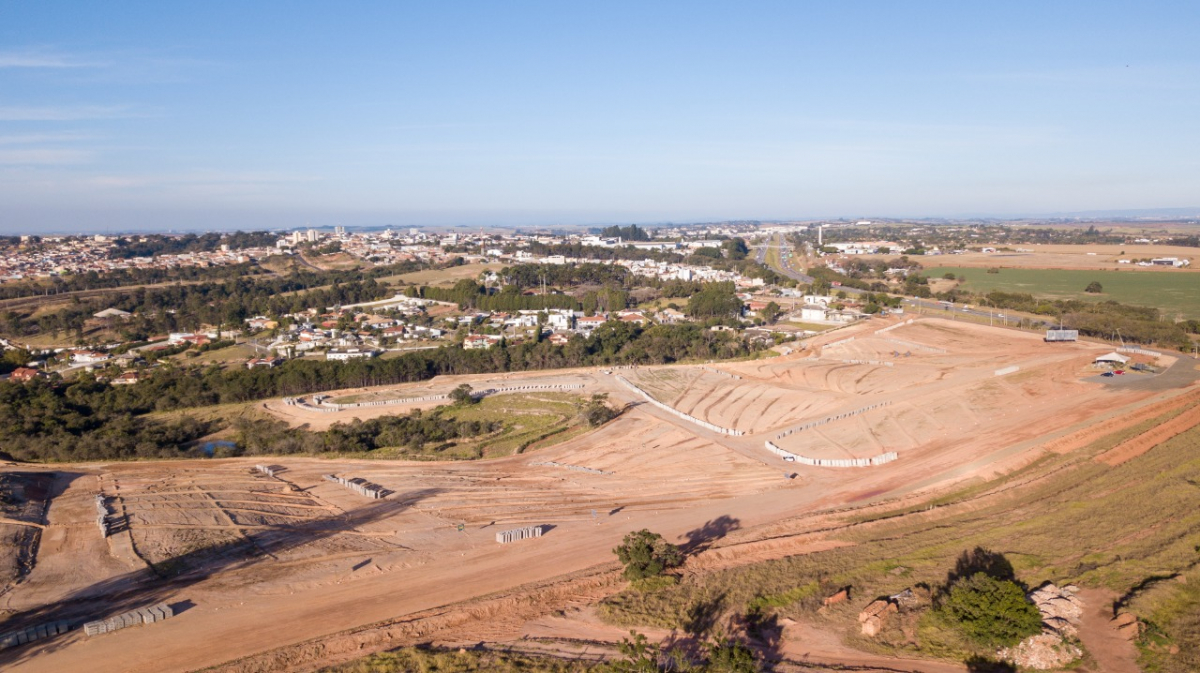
[[272, 568]]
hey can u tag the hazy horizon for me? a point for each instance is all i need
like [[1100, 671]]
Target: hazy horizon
[[227, 116]]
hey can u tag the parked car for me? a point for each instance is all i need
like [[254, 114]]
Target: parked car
[[1109, 374]]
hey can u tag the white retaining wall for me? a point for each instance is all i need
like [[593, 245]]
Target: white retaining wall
[[832, 462], [1135, 349], [892, 327], [672, 410], [882, 363], [830, 419], [331, 406], [1007, 370]]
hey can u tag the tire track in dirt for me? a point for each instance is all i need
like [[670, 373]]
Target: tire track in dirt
[[1132, 448]]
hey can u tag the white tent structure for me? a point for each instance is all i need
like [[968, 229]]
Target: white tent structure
[[1111, 359]]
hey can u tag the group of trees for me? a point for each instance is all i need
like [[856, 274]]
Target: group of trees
[[1103, 319], [416, 431], [630, 233], [39, 414], [716, 300], [158, 244]]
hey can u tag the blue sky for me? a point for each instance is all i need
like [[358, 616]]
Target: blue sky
[[126, 116]]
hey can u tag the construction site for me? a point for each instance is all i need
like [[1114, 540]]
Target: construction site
[[296, 563]]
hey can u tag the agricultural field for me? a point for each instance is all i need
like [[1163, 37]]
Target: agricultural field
[[442, 277], [1174, 293]]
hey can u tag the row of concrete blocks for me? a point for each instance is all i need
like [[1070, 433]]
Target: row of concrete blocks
[[687, 417], [577, 468], [385, 403], [154, 613], [831, 419], [1007, 370], [14, 638], [923, 347], [506, 536], [435, 398], [833, 462], [868, 362], [892, 327], [839, 342], [1135, 349], [359, 486], [520, 389], [291, 401], [265, 469]]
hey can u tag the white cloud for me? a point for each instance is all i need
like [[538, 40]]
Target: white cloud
[[42, 157], [42, 58], [13, 113]]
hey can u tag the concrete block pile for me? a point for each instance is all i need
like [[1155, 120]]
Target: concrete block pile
[[33, 633], [506, 536], [359, 486], [266, 469], [154, 613], [102, 515]]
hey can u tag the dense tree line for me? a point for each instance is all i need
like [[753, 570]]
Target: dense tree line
[[630, 233], [158, 244], [415, 431], [1105, 320], [55, 421], [580, 251], [93, 280], [41, 421]]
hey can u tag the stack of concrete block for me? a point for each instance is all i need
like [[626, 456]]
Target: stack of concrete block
[[359, 486], [102, 515], [29, 635], [506, 536], [154, 613], [266, 469]]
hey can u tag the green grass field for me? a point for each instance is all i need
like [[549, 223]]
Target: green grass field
[[1173, 293]]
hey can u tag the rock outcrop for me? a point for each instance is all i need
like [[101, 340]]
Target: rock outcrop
[[1061, 610]]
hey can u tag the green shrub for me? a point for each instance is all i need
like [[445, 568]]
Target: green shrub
[[990, 612], [647, 554]]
